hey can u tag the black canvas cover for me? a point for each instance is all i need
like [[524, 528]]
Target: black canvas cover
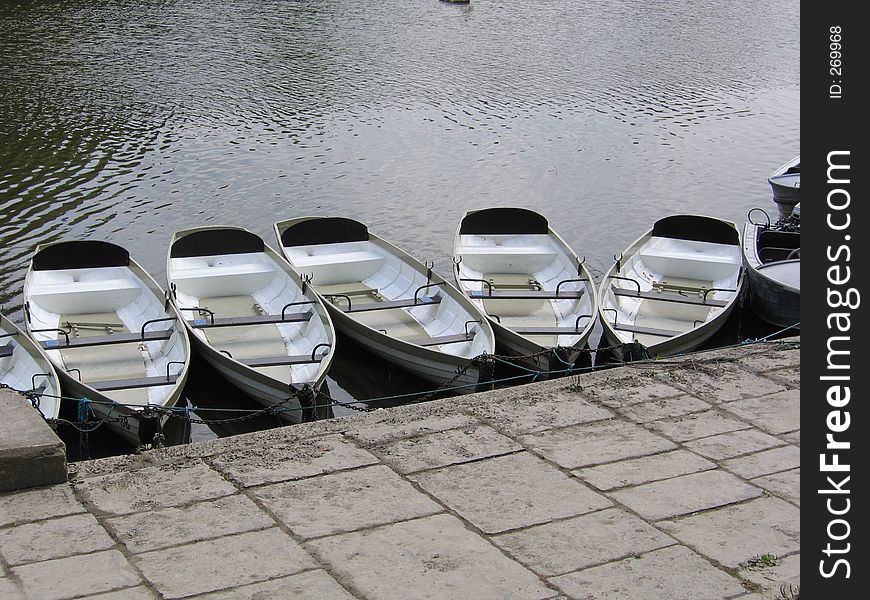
[[212, 242], [80, 254], [697, 228], [324, 230], [495, 221]]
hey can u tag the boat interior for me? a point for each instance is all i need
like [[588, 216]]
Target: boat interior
[[102, 324], [523, 279], [242, 301], [775, 245], [667, 285], [22, 371], [373, 284]]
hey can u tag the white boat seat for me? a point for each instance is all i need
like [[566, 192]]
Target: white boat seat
[[341, 267], [223, 280], [669, 297], [491, 250], [443, 339], [104, 340], [127, 384], [75, 297], [690, 265], [507, 259]]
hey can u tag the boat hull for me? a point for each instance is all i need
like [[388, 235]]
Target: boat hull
[[773, 301]]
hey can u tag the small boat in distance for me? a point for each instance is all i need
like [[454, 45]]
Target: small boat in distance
[[109, 330], [251, 317], [771, 253], [536, 292], [675, 286], [24, 367], [786, 185], [387, 301]]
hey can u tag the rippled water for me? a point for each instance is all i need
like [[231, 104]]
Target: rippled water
[[126, 120]]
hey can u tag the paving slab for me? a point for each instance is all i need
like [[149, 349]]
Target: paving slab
[[615, 389], [686, 494], [776, 413], [765, 462], [345, 501], [25, 506], [734, 534], [305, 458], [793, 437], [153, 488], [675, 573], [734, 443], [527, 415], [596, 443], [664, 408], [136, 593], [645, 469], [444, 448], [92, 574], [230, 561], [9, 591], [787, 485], [719, 381], [311, 585], [789, 377], [392, 427], [34, 542], [786, 571], [508, 492], [172, 526], [592, 539], [697, 425], [434, 557], [763, 357]]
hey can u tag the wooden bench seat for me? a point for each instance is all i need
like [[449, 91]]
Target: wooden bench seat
[[127, 384], [105, 340], [669, 297]]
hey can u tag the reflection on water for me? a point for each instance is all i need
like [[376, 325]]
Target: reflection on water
[[125, 121]]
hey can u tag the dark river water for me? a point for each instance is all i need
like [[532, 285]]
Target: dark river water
[[125, 121]]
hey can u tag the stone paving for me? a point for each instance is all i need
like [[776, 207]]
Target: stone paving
[[674, 479]]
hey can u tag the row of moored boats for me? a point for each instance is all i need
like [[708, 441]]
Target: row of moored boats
[[267, 320]]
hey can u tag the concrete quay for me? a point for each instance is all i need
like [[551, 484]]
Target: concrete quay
[[670, 479]]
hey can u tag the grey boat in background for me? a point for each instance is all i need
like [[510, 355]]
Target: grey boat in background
[[771, 254], [786, 185]]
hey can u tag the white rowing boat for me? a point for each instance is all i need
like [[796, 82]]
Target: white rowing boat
[[108, 329], [528, 281], [251, 317], [675, 286], [387, 301], [26, 368], [771, 253]]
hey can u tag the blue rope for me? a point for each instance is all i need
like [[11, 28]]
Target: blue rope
[[83, 413]]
